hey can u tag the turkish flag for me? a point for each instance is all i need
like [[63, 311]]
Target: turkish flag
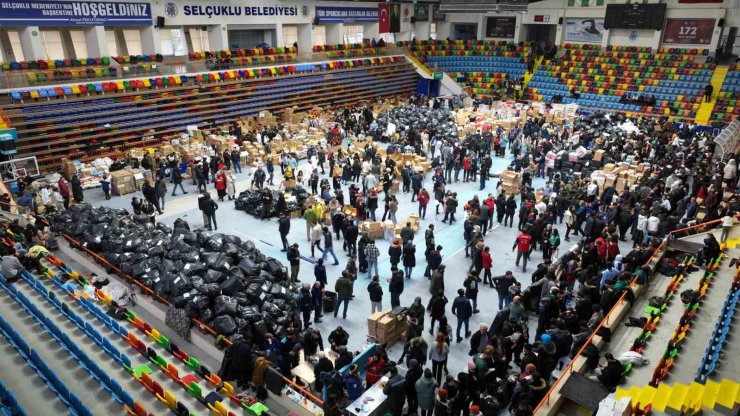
[[384, 18]]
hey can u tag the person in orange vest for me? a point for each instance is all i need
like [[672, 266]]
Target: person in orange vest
[[522, 245]]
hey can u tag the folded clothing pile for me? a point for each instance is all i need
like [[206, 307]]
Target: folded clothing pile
[[224, 282]]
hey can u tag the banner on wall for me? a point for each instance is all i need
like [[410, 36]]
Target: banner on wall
[[585, 3], [74, 13], [701, 1], [346, 14], [211, 12], [584, 30], [500, 27], [406, 14], [384, 18], [421, 12], [688, 31]]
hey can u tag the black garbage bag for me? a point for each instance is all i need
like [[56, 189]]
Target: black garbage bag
[[254, 293], [197, 282], [270, 309], [181, 223], [189, 256], [210, 290], [241, 298], [156, 251], [200, 302], [190, 238], [250, 313], [232, 285], [220, 263], [207, 315], [231, 250], [194, 269], [213, 276], [250, 267], [329, 301], [180, 284], [225, 305], [224, 325], [184, 299], [275, 268], [214, 243], [232, 239]]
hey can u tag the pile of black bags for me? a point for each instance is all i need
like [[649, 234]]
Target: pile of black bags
[[224, 282], [419, 118], [250, 201]]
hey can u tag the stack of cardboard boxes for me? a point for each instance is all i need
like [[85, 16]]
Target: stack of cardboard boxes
[[374, 229], [387, 328], [510, 181], [122, 182], [619, 175]]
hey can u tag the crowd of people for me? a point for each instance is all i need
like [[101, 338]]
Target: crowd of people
[[515, 354]]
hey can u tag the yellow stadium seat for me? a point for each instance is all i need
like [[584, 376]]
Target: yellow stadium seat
[[120, 86], [34, 94], [76, 89]]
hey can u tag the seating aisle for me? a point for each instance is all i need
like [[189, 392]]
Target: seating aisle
[[101, 357], [75, 377], [43, 401], [686, 364]]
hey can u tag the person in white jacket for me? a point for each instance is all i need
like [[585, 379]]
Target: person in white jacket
[[641, 228], [730, 172]]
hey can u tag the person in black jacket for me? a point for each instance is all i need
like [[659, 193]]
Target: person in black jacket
[[150, 194], [395, 389], [77, 190], [294, 257], [324, 365], [510, 211], [462, 309], [395, 286], [350, 236], [409, 258], [209, 207], [376, 295], [284, 229], [177, 180], [338, 338], [413, 374], [237, 363], [305, 304]]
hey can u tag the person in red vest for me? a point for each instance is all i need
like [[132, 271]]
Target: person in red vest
[[423, 199], [522, 245]]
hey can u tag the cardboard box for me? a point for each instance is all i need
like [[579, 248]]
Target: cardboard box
[[599, 155]]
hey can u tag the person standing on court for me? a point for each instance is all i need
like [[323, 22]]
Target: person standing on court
[[522, 245], [462, 309], [343, 287], [294, 257], [376, 295], [329, 246], [284, 229], [395, 286]]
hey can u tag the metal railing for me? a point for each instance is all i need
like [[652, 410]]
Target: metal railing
[[555, 387], [181, 65]]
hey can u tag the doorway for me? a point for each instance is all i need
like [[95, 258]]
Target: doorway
[[538, 33], [465, 31]]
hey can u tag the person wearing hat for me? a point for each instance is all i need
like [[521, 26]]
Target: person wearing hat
[[413, 374], [353, 383], [441, 404], [475, 410]]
